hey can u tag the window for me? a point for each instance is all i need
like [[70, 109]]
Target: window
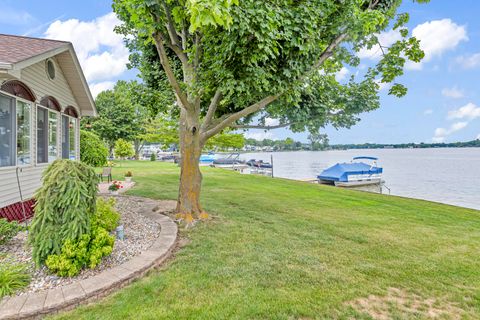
[[23, 133], [42, 135], [72, 128], [69, 127], [52, 136], [7, 131], [46, 135], [50, 68]]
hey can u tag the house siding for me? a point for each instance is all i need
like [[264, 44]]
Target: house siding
[[30, 176]]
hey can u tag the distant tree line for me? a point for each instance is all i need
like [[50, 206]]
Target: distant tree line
[[467, 144], [321, 143], [316, 142]]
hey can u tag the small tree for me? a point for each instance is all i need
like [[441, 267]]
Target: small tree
[[64, 206], [318, 141], [123, 149], [92, 149]]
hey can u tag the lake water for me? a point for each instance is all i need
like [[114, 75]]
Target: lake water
[[447, 175]]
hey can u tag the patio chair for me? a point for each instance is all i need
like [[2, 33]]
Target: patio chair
[[107, 172]]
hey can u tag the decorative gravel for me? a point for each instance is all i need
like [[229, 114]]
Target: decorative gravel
[[140, 233]]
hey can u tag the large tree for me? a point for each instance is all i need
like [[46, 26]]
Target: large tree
[[230, 63], [119, 116]]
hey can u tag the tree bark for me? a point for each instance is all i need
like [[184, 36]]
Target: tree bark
[[188, 204]]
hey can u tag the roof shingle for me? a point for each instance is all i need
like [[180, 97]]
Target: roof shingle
[[14, 49]]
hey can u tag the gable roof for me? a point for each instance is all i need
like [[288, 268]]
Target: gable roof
[[18, 52], [15, 49]]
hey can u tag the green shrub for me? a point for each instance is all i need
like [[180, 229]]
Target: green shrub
[[92, 149], [8, 230], [13, 277], [64, 207], [88, 251], [106, 216], [153, 157], [123, 149]]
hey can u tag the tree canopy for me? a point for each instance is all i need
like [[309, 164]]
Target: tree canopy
[[277, 57]]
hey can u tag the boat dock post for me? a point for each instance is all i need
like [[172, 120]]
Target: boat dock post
[[271, 161]]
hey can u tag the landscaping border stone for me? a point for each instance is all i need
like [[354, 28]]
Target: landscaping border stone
[[38, 304]]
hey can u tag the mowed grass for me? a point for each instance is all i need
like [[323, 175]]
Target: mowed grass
[[280, 249]]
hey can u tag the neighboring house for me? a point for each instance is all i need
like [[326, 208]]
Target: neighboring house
[[43, 94]]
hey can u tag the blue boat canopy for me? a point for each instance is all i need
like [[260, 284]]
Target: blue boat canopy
[[341, 171], [365, 157], [210, 157]]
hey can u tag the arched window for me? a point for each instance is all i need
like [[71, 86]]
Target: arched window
[[47, 129], [71, 111], [51, 103], [18, 89], [16, 124]]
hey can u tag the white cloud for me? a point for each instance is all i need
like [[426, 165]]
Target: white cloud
[[427, 112], [454, 92], [437, 37], [100, 50], [469, 111], [271, 122], [260, 135], [469, 62], [96, 88], [478, 137], [442, 133], [386, 39], [382, 85], [342, 74]]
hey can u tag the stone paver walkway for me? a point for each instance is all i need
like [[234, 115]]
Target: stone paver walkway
[[38, 304]]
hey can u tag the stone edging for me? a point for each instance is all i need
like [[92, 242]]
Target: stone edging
[[38, 304]]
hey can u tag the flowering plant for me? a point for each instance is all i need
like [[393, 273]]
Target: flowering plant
[[115, 186]]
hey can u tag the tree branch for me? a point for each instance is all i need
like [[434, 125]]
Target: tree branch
[[227, 120], [247, 126], [169, 72], [328, 52], [176, 45], [211, 109]]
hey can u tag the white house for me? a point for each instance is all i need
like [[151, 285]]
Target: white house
[[43, 94]]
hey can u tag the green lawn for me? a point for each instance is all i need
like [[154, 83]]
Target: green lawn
[[280, 249]]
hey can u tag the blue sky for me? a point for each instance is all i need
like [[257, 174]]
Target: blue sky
[[443, 102]]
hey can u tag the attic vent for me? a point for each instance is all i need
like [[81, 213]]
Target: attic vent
[[18, 89], [50, 68], [51, 103], [71, 112]]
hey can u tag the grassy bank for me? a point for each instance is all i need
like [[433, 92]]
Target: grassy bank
[[279, 249]]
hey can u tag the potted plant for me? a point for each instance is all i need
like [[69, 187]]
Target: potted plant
[[128, 176], [114, 187]]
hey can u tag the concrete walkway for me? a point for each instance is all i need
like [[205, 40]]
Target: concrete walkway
[[38, 304]]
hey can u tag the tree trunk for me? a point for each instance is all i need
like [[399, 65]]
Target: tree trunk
[[137, 146], [188, 204]]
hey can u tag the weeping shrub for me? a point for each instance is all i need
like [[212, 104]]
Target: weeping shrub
[[92, 149], [64, 207]]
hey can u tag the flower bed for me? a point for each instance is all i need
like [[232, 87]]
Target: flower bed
[[140, 233]]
